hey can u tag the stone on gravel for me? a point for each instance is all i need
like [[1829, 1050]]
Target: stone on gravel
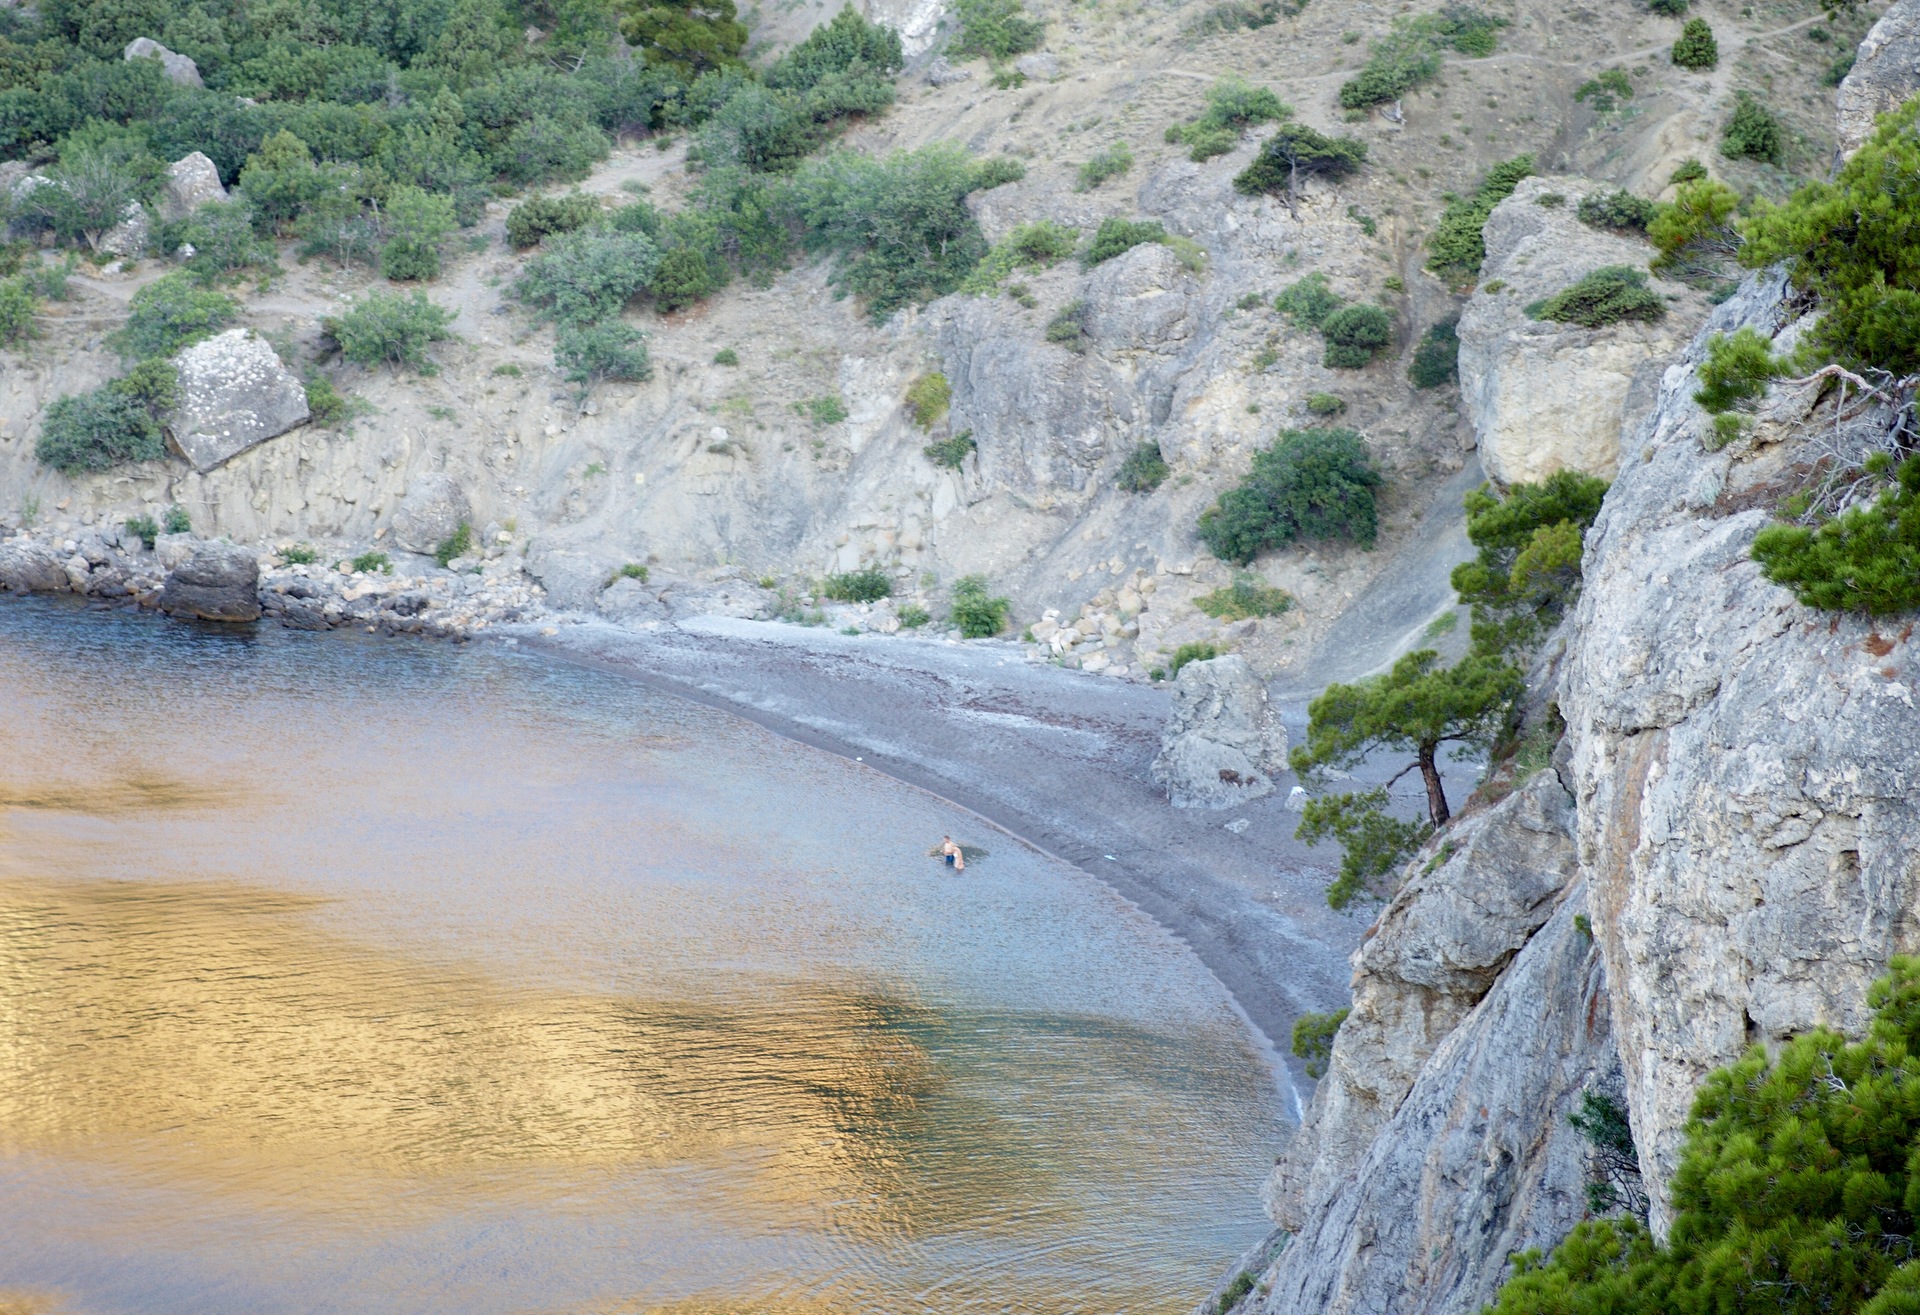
[[433, 509], [1224, 742], [940, 73], [1041, 67], [131, 236], [190, 182], [234, 393], [27, 567], [630, 600], [180, 68], [1885, 74], [220, 582]]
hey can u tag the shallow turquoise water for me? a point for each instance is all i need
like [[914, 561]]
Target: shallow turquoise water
[[360, 975]]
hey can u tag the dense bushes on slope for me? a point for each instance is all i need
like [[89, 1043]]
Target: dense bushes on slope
[[1308, 484]]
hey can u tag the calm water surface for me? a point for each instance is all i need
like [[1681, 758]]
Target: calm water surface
[[369, 976]]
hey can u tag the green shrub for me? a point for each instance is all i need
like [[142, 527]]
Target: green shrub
[[726, 356], [1457, 245], [977, 615], [864, 586], [1313, 1040], [1736, 370], [1108, 163], [913, 616], [1410, 54], [588, 354], [112, 425], [1144, 469], [1668, 8], [281, 180], [1526, 573], [1752, 133], [1854, 243], [170, 313], [1355, 335], [1688, 170], [372, 561], [90, 194], [928, 398], [1028, 246], [588, 275], [1116, 236], [18, 306], [1247, 596], [1867, 559], [386, 328], [177, 521], [299, 554], [1309, 301], [998, 29], [685, 277], [1619, 211], [1694, 234], [951, 452], [1233, 105], [1296, 152], [416, 223], [1603, 90], [223, 240], [827, 409], [145, 527], [1791, 1193], [1436, 360], [631, 571], [1837, 71], [1068, 328], [1608, 295], [1696, 48], [457, 544], [1309, 484], [1325, 404], [326, 406], [1193, 651], [539, 216]]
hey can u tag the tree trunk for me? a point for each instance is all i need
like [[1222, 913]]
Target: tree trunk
[[1437, 810], [1293, 188]]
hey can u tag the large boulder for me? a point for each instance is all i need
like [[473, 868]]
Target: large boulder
[[190, 182], [27, 567], [631, 601], [234, 393], [1543, 396], [1885, 73], [180, 68], [434, 508], [131, 236], [220, 582], [1224, 742]]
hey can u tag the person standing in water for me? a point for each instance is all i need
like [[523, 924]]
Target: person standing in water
[[955, 856]]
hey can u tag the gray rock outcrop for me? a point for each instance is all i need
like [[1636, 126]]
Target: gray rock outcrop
[[27, 567], [1223, 743], [630, 601], [573, 580], [180, 68], [190, 182], [131, 236], [220, 582], [1545, 396], [234, 393], [432, 511], [1885, 73]]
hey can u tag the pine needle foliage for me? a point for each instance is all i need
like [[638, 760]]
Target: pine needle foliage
[[1608, 295], [1309, 484], [1457, 246], [1867, 559]]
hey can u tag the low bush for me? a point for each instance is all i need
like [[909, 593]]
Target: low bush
[[1028, 246], [1144, 469], [372, 561], [18, 306], [1695, 235], [913, 616], [144, 527], [1116, 236], [630, 571], [1457, 246], [1313, 1040], [726, 356], [928, 398], [1193, 651], [864, 586], [1606, 296], [1068, 328], [457, 544], [177, 521], [1752, 133], [1297, 152], [978, 615], [1308, 484], [1325, 404], [1308, 301], [327, 407], [588, 275], [826, 409], [685, 277], [1792, 1189], [113, 425], [386, 328], [1605, 91], [1233, 106], [416, 223], [998, 29], [298, 554], [222, 236], [1436, 360], [1526, 572], [1410, 54], [1618, 212], [1355, 335], [588, 354], [170, 313], [1867, 559], [1688, 170], [1668, 8], [951, 452], [1696, 48], [540, 216], [1737, 369], [1109, 163], [1837, 71], [1248, 596]]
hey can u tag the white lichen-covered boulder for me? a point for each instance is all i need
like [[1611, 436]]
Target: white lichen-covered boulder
[[131, 236], [180, 68], [1885, 73], [1544, 396], [1224, 742], [190, 182], [234, 393]]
